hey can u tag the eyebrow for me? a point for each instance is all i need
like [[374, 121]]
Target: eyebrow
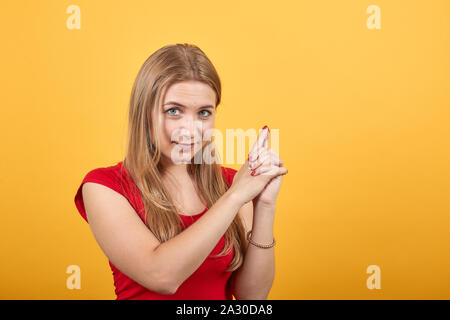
[[179, 104]]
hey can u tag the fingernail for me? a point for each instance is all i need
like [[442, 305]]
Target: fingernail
[[266, 127], [253, 173]]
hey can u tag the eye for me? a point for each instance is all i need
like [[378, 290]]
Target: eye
[[208, 113], [173, 114]]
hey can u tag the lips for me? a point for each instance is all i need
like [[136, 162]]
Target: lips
[[186, 145]]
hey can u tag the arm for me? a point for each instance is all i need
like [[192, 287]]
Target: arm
[[253, 280], [131, 247], [180, 259]]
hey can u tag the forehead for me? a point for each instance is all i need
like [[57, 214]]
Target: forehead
[[190, 93]]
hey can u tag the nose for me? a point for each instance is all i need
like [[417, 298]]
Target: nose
[[189, 131]]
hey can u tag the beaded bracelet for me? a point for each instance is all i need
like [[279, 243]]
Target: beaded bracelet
[[259, 245]]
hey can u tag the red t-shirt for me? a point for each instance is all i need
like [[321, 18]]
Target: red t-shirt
[[208, 282]]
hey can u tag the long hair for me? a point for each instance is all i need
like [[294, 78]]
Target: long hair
[[170, 64]]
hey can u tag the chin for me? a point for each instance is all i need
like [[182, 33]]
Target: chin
[[181, 158]]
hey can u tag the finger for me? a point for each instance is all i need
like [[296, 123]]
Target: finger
[[275, 158], [266, 141], [262, 155], [270, 167], [262, 170], [260, 159], [271, 171], [281, 171], [266, 167], [258, 145], [270, 157]]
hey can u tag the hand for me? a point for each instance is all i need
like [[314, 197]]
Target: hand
[[245, 186], [263, 161]]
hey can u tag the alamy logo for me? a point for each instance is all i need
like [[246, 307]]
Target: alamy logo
[[74, 280], [190, 144], [374, 20], [74, 20], [374, 281]]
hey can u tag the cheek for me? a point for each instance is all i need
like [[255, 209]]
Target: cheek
[[166, 130], [207, 130]]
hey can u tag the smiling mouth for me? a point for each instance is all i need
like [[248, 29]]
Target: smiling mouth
[[185, 143]]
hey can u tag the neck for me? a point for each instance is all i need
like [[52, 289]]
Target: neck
[[177, 171]]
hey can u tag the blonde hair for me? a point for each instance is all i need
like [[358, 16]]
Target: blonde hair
[[169, 64]]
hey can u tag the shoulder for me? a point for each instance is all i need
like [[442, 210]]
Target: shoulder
[[112, 177], [112, 173]]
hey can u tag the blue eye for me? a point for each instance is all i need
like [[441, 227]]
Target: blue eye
[[176, 114], [208, 113], [170, 110]]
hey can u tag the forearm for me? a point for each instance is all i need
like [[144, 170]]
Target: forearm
[[255, 277], [184, 253]]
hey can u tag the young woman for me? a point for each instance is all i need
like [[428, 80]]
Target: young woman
[[171, 226]]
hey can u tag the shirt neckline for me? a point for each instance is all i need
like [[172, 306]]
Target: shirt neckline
[[120, 163], [193, 215]]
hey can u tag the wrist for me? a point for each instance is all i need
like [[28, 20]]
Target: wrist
[[266, 206], [234, 198]]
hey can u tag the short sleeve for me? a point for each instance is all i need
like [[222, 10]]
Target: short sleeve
[[104, 176], [229, 174]]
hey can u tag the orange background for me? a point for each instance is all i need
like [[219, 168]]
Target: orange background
[[364, 130]]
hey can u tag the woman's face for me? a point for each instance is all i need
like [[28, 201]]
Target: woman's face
[[186, 119]]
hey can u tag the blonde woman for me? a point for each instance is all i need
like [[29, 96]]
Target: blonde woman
[[171, 226]]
